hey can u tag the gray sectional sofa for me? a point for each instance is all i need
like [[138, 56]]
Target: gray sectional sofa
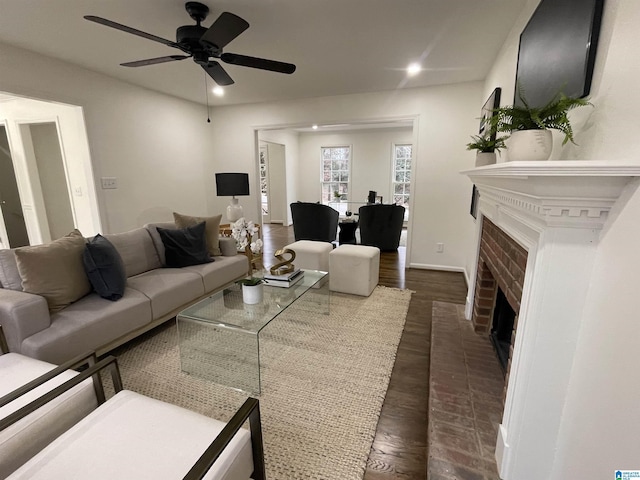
[[153, 295]]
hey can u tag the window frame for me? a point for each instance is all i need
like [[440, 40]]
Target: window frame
[[349, 170], [393, 175]]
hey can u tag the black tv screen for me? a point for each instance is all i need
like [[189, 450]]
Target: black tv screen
[[558, 50]]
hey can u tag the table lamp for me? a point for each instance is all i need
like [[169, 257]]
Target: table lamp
[[230, 185]]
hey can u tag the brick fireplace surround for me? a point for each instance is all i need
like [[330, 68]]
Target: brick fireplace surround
[[501, 263], [537, 234]]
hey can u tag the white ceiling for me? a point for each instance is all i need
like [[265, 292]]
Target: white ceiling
[[339, 46]]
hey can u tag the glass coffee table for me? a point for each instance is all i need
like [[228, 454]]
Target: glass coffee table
[[219, 337]]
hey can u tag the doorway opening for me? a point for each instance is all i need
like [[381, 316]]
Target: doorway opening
[[47, 176], [13, 230]]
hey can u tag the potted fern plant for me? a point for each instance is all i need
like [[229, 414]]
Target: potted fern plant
[[530, 127], [486, 146]]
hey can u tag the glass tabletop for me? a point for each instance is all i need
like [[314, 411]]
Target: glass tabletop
[[226, 308]]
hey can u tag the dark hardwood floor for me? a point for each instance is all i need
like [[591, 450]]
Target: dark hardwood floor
[[399, 450]]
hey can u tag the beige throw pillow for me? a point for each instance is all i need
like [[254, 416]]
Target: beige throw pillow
[[211, 230], [55, 270]]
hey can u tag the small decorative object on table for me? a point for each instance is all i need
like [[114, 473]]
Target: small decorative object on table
[[252, 290], [286, 280], [246, 234], [285, 266]]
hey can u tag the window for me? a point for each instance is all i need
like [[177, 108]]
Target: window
[[336, 165], [401, 176]]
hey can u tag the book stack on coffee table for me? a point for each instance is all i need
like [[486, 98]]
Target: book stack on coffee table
[[285, 280]]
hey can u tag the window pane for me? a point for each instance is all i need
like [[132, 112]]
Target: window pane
[[407, 176], [407, 188]]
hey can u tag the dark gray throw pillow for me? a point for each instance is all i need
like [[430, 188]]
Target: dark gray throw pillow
[[185, 246], [103, 265]]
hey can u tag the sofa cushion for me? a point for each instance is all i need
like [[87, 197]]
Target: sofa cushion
[[185, 246], [104, 267], [212, 229], [168, 288], [88, 324], [25, 438], [9, 274], [137, 251], [55, 270], [223, 271]]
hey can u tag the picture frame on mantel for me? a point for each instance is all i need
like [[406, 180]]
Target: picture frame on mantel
[[475, 195], [486, 113]]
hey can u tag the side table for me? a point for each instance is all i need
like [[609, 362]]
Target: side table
[[347, 232]]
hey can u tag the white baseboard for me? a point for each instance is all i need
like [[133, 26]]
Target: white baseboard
[[468, 308], [443, 268], [502, 452]]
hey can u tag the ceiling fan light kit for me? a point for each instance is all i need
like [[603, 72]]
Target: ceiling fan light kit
[[204, 45]]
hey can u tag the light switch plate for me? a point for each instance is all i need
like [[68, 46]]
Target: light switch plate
[[109, 183]]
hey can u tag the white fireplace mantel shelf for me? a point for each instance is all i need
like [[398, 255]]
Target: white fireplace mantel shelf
[[559, 168], [576, 193]]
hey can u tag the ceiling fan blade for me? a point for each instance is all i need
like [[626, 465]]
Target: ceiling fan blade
[[124, 28], [261, 63], [153, 61], [226, 27], [219, 75]]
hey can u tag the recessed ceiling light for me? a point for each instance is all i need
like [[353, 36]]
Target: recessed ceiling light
[[315, 127], [218, 91], [413, 69]]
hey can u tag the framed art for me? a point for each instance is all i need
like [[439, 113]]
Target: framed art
[[489, 106], [475, 195]]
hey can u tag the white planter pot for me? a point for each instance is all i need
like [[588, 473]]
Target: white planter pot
[[252, 294], [527, 145], [485, 158]]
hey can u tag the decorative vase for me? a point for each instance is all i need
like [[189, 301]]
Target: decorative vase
[[252, 294], [527, 145], [485, 158]]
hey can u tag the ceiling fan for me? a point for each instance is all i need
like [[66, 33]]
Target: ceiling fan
[[203, 44]]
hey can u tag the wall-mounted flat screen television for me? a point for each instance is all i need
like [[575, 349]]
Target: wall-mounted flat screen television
[[558, 50]]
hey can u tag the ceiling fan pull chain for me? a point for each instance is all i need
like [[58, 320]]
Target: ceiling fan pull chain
[[206, 94]]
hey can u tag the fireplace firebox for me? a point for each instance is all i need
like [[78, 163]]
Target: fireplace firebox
[[502, 328]]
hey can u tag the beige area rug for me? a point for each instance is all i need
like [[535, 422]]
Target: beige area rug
[[324, 379]]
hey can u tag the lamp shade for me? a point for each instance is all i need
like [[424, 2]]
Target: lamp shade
[[232, 184]]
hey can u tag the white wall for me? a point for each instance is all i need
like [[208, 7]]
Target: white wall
[[371, 158], [157, 146], [445, 116], [601, 419]]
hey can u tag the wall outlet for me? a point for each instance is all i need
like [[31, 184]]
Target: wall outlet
[[439, 247], [109, 183], [77, 191]]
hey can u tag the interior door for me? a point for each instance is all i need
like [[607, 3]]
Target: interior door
[[264, 183], [13, 231]]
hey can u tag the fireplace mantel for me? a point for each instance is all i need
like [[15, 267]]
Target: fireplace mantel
[[563, 193], [556, 211]]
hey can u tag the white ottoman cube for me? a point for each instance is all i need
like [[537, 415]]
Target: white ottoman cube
[[311, 255], [354, 269]]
